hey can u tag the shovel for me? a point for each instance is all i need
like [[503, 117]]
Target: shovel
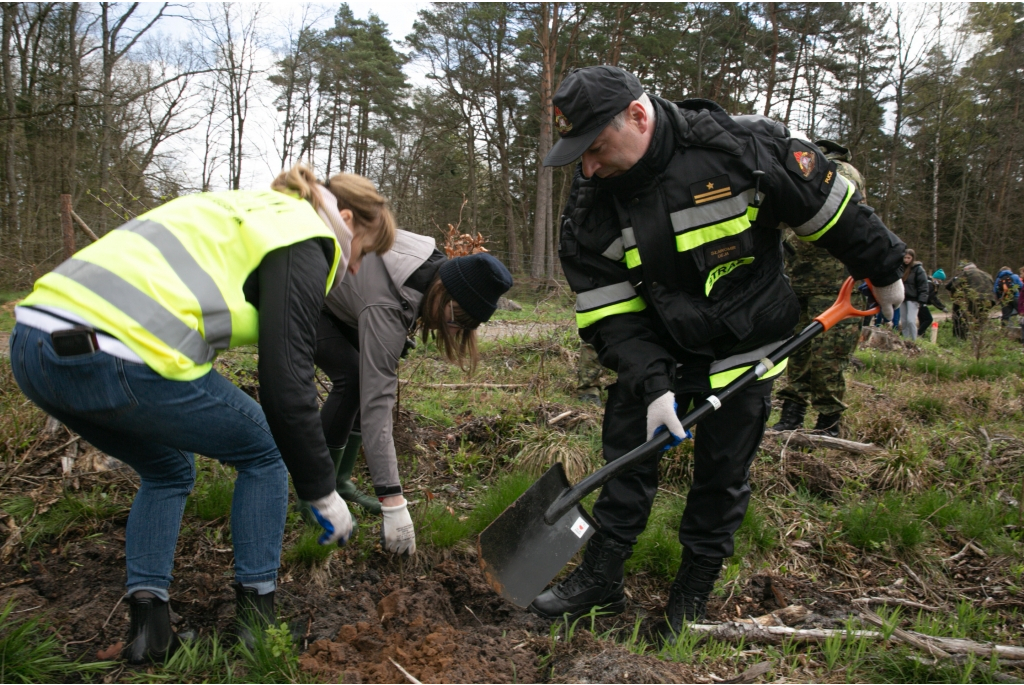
[[533, 539]]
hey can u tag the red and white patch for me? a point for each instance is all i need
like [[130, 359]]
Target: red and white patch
[[580, 527], [806, 161], [563, 124]]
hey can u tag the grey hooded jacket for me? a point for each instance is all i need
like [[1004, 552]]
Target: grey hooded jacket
[[378, 303]]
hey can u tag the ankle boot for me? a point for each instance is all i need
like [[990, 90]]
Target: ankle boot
[[344, 461], [150, 637], [688, 596], [253, 613], [828, 424], [792, 416], [597, 582]]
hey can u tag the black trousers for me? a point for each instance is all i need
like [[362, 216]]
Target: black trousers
[[724, 447], [924, 320], [337, 353]]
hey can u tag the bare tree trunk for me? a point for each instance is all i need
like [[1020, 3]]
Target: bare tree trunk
[[935, 183], [773, 9], [547, 28], [10, 177]]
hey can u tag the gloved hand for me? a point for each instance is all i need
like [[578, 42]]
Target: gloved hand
[[332, 513], [888, 296], [397, 534], [661, 414]]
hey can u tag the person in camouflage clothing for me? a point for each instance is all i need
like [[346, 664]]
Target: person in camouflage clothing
[[815, 373], [588, 375]]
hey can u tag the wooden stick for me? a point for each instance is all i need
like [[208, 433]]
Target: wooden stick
[[800, 439], [885, 601], [463, 386], [912, 640], [85, 228], [406, 673], [561, 416], [753, 632]]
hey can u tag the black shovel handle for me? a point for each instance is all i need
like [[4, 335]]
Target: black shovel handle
[[842, 309]]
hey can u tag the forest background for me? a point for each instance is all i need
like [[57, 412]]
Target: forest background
[[101, 103]]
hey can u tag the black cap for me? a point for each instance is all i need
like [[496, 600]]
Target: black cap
[[586, 101], [476, 282]]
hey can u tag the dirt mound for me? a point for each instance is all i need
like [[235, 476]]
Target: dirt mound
[[415, 630]]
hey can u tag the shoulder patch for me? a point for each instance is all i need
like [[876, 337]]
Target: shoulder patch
[[801, 159], [711, 189]]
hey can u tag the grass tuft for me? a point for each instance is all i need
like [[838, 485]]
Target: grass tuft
[[29, 652], [306, 551], [886, 521], [542, 448]]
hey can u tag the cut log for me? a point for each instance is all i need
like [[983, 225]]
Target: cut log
[[801, 439]]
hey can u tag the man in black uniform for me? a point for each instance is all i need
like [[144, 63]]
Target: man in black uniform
[[670, 240]]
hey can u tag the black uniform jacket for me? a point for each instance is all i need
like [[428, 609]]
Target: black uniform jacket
[[678, 261]]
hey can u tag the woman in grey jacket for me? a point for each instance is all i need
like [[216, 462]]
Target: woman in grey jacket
[[915, 294], [364, 327]]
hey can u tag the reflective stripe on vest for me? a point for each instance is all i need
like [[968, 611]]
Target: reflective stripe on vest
[[216, 314], [599, 303], [632, 254], [724, 371], [828, 215], [723, 270], [615, 252], [150, 314], [697, 226]]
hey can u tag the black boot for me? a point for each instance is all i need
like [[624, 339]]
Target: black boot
[[150, 637], [828, 424], [792, 416], [688, 596], [597, 582], [253, 613]]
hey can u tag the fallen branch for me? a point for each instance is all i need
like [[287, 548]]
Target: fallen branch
[[890, 601], [85, 228], [463, 386], [754, 632], [406, 673], [563, 415], [902, 635], [800, 439]]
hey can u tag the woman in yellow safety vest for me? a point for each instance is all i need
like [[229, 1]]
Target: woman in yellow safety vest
[[117, 343]]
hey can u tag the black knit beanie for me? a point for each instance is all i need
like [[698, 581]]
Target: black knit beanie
[[476, 282]]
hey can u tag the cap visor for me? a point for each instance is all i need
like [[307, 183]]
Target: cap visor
[[568, 150]]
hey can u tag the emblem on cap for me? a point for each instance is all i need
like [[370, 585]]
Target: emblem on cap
[[804, 160], [561, 122]]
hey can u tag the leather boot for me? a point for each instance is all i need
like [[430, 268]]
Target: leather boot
[[253, 613], [688, 596], [597, 582], [828, 424], [150, 637], [344, 461], [792, 416]]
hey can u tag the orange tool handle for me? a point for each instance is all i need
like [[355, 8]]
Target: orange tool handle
[[842, 309]]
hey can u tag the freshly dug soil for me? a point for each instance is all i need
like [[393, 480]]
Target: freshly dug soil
[[414, 629]]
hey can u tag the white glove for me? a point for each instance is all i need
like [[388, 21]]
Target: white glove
[[397, 533], [888, 296], [662, 412], [332, 513]]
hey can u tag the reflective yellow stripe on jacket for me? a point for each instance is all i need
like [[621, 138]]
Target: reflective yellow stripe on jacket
[[169, 283], [725, 371], [594, 305]]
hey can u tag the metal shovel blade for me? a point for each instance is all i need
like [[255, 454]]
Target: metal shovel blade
[[519, 553]]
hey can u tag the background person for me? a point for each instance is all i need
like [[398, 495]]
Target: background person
[[973, 293], [814, 375], [361, 336], [117, 343], [915, 293], [924, 316], [1006, 289]]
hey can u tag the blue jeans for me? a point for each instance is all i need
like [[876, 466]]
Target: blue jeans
[[154, 425]]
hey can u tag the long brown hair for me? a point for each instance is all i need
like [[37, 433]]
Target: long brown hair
[[909, 267], [459, 345]]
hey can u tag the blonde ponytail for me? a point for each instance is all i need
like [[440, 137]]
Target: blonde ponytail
[[300, 181], [369, 209]]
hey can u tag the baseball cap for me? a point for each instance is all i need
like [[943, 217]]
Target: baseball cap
[[586, 101]]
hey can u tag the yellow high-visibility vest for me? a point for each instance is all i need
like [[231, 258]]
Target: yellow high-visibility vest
[[169, 283]]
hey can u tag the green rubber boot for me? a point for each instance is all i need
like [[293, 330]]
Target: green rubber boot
[[344, 461]]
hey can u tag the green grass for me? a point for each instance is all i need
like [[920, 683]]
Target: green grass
[[7, 312], [306, 551], [211, 498], [72, 513], [888, 520], [30, 653], [756, 533], [657, 550], [444, 528]]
